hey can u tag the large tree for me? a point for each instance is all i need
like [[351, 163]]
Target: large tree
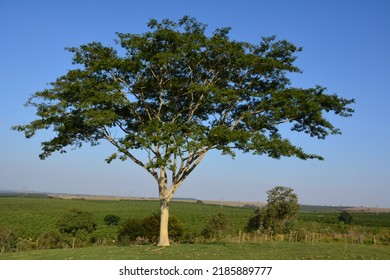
[[176, 93]]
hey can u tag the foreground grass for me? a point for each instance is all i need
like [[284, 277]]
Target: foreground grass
[[229, 251]]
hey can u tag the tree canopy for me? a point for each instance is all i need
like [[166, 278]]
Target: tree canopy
[[281, 209], [176, 94]]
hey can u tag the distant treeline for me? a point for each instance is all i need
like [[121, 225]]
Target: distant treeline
[[319, 208], [310, 208], [22, 194]]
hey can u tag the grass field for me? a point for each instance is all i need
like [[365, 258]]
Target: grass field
[[229, 251], [318, 234]]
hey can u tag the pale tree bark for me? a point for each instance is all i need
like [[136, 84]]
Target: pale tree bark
[[165, 198], [164, 208], [166, 194], [164, 218]]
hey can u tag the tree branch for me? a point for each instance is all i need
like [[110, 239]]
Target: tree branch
[[127, 153], [176, 184], [192, 162]]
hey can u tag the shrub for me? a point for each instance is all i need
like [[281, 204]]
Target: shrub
[[384, 236], [255, 222], [217, 227], [130, 230], [147, 230], [75, 220], [345, 217], [53, 240], [8, 240], [25, 244], [111, 220]]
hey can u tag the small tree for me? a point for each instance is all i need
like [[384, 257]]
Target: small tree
[[217, 226], [76, 220], [176, 94], [345, 217], [281, 209]]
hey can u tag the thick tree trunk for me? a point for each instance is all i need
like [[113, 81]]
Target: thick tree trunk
[[164, 212]]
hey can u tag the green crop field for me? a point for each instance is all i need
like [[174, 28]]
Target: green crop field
[[33, 216], [317, 235]]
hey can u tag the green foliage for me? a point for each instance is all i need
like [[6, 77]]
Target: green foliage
[[54, 240], [8, 239], [216, 227], [76, 220], [283, 201], [345, 217], [130, 230], [147, 230], [279, 214], [176, 93], [111, 220], [384, 236], [255, 222]]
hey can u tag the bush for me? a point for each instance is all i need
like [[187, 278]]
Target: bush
[[384, 236], [53, 240], [78, 223], [75, 220], [8, 240], [217, 227], [147, 230], [345, 217], [25, 244], [129, 231], [111, 220], [255, 222]]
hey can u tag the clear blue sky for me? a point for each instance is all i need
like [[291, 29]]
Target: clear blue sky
[[346, 47]]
